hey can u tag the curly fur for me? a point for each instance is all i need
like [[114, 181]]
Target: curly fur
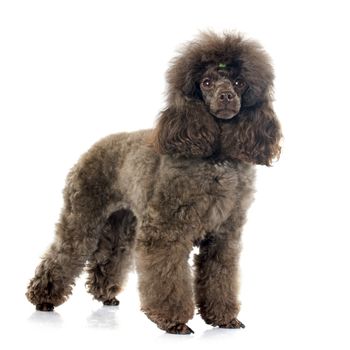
[[158, 192]]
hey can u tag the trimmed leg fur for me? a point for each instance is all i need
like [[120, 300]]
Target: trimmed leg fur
[[62, 263], [108, 266], [86, 199], [216, 282], [165, 284]]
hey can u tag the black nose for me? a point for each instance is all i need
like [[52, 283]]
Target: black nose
[[225, 96]]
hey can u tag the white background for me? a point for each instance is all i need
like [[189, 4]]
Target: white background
[[72, 72]]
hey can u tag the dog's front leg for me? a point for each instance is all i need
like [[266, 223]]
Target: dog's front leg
[[165, 278], [216, 279]]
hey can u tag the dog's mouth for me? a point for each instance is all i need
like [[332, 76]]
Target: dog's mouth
[[225, 113]]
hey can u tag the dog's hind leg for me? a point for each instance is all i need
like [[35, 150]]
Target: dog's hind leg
[[87, 197], [108, 266], [54, 277]]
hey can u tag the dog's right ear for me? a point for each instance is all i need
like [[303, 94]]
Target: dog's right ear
[[187, 130]]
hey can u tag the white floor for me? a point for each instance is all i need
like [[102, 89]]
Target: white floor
[[272, 322]]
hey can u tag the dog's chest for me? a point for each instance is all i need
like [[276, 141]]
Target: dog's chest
[[221, 194], [219, 190]]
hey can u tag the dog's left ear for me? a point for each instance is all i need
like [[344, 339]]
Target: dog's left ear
[[254, 136], [186, 129]]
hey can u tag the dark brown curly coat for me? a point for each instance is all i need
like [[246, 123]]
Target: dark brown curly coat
[[189, 181]]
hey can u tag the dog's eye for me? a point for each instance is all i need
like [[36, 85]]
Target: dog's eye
[[206, 82], [240, 83]]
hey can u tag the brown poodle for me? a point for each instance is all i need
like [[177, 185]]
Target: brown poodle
[[188, 182]]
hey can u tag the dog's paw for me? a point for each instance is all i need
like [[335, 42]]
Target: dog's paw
[[236, 324], [111, 302], [45, 307], [180, 328]]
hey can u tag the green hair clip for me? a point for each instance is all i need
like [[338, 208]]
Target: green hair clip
[[222, 65]]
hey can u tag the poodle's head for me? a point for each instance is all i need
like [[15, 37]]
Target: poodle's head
[[222, 89], [219, 102]]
